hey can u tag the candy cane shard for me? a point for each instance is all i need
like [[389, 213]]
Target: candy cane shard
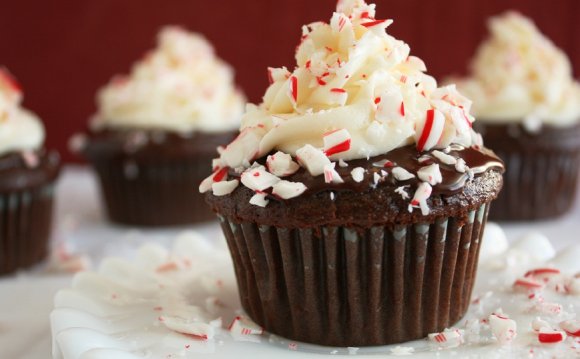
[[336, 142], [287, 189], [189, 326], [402, 174], [431, 131], [444, 158], [542, 273], [551, 336], [313, 159], [528, 284], [293, 89], [402, 192], [461, 166], [539, 323], [242, 325], [217, 176], [258, 179], [224, 188], [330, 174], [449, 338], [259, 199], [571, 327], [358, 174], [420, 197], [430, 174], [280, 164], [503, 328]]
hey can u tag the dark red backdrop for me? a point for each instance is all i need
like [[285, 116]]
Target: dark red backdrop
[[63, 51]]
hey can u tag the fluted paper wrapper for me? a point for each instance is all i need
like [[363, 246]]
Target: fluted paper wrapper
[[154, 194], [537, 184], [25, 224], [341, 286]]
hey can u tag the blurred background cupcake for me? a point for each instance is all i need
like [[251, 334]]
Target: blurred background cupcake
[[528, 109], [156, 130], [355, 198], [27, 176]]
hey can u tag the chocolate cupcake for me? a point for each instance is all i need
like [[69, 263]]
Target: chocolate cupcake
[[528, 109], [27, 177], [355, 197], [156, 131]]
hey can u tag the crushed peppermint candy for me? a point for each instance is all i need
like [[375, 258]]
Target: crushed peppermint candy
[[258, 179], [571, 327], [551, 336], [358, 174], [280, 164], [313, 159], [444, 158], [242, 325], [224, 188], [448, 338], [259, 199], [430, 174], [330, 174], [420, 197], [336, 142], [403, 192], [402, 174], [287, 189], [503, 328]]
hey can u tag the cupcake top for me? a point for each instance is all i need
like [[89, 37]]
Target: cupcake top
[[20, 129], [518, 74], [355, 95], [181, 86]]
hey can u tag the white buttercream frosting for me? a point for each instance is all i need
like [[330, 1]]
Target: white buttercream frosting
[[351, 74], [180, 86], [20, 129], [519, 74]]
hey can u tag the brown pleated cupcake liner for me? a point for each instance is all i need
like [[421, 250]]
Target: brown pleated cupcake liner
[[537, 184], [154, 194], [340, 286], [25, 224]]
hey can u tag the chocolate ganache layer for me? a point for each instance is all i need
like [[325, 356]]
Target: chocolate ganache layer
[[387, 197], [22, 171]]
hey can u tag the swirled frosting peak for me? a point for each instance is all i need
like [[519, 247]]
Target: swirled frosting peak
[[351, 74], [519, 74], [20, 129], [180, 86]]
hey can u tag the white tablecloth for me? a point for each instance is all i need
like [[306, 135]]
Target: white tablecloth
[[26, 298]]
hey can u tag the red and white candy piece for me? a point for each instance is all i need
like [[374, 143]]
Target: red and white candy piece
[[460, 120], [402, 174], [259, 199], [430, 174], [293, 89], [538, 324], [258, 179], [218, 175], [448, 337], [384, 164], [528, 284], [336, 142], [197, 329], [224, 187], [358, 174], [571, 327], [503, 328], [390, 107], [287, 189], [330, 174], [313, 159], [244, 148], [338, 96], [551, 336], [280, 164], [245, 326], [445, 158], [420, 197], [542, 273], [431, 131]]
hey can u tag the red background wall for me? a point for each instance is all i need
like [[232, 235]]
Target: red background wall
[[63, 51]]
